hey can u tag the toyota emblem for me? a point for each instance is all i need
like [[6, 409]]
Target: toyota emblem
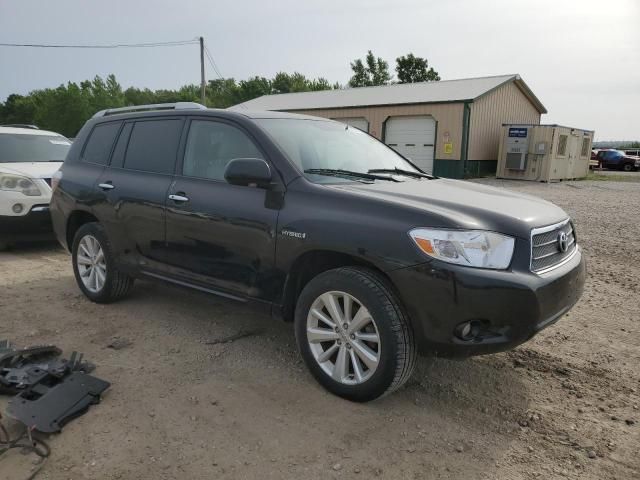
[[563, 242]]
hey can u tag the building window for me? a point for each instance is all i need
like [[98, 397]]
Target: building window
[[562, 145], [585, 147]]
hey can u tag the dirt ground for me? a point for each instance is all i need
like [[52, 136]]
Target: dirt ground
[[565, 405]]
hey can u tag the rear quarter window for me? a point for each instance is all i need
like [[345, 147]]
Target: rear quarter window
[[98, 148], [153, 145]]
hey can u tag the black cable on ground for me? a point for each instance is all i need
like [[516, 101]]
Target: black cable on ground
[[27, 442]]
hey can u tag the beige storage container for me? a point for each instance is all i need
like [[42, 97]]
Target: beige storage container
[[543, 153]]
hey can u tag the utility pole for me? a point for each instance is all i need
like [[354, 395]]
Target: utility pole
[[202, 81]]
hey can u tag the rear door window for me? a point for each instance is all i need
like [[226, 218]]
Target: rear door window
[[98, 147], [153, 145]]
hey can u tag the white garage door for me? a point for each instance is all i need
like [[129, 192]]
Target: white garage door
[[413, 137], [358, 122]]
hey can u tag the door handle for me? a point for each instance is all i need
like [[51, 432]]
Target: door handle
[[106, 186], [178, 198]]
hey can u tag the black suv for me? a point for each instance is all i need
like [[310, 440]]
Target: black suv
[[321, 224]]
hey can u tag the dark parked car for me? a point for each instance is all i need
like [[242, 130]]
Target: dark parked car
[[320, 224], [618, 160]]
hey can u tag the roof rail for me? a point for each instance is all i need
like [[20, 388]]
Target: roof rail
[[155, 106], [20, 125]]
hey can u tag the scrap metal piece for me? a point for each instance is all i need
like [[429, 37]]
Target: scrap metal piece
[[11, 358], [48, 405], [20, 369]]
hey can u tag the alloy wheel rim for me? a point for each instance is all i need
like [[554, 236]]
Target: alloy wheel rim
[[91, 263], [343, 338]]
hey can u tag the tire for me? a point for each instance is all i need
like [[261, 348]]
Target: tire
[[114, 284], [395, 349], [628, 167]]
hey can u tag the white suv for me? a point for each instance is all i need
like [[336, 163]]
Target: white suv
[[28, 159]]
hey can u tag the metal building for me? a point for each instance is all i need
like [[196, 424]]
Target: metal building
[[450, 128], [544, 152]]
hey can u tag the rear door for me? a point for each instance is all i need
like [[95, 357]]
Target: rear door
[[135, 188], [220, 236]]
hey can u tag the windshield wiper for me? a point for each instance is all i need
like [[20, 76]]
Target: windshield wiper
[[337, 172], [399, 171]]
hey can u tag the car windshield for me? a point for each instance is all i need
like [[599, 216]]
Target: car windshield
[[20, 147], [323, 145]]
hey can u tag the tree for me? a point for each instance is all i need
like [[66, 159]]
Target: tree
[[285, 83], [375, 72], [18, 109], [252, 88], [320, 83], [411, 69], [65, 109], [222, 93]]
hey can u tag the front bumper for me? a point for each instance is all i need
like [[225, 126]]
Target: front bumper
[[511, 305], [34, 225]]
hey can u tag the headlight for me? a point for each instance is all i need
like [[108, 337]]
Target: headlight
[[17, 183], [473, 248]]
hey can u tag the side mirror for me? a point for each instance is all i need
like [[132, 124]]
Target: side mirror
[[248, 171]]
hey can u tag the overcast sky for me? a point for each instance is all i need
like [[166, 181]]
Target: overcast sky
[[580, 57]]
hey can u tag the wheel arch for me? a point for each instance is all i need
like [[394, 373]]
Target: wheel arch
[[312, 263], [74, 222]]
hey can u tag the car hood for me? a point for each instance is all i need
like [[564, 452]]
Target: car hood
[[462, 204], [31, 169]]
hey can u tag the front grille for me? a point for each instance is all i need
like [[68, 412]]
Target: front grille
[[545, 246]]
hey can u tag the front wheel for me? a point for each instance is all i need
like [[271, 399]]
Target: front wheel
[[628, 167], [94, 266], [353, 334]]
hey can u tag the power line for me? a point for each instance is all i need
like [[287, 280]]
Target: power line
[[116, 45], [212, 62], [215, 68]]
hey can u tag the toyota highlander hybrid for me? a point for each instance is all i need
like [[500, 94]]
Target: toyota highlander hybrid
[[28, 159], [373, 260]]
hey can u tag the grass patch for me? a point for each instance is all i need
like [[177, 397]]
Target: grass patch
[[612, 178]]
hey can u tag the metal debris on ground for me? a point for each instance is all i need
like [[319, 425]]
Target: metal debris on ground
[[49, 390], [22, 368], [48, 407]]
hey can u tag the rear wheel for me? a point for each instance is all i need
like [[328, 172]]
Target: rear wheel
[[628, 167], [94, 266], [353, 334]]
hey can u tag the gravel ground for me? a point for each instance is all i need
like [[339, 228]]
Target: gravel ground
[[564, 405]]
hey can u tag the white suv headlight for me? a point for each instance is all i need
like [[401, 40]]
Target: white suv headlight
[[473, 248], [18, 183]]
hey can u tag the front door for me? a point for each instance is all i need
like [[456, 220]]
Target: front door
[[219, 236], [574, 152]]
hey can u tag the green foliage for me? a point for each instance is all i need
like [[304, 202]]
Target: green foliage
[[66, 108], [297, 82], [375, 72], [411, 69]]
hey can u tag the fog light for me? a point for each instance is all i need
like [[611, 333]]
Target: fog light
[[467, 331], [17, 208]]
